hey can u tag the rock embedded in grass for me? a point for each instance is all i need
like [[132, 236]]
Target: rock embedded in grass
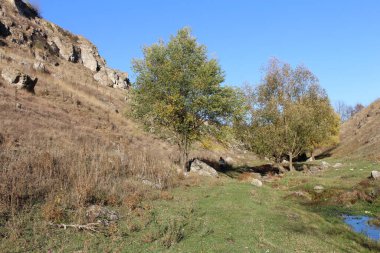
[[256, 182], [319, 188], [375, 174], [325, 165], [96, 212]]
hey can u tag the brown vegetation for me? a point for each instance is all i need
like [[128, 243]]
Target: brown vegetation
[[67, 146], [360, 136]]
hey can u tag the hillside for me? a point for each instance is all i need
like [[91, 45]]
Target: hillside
[[67, 131], [360, 136]]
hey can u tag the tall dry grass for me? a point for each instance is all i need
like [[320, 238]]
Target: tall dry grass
[[67, 147], [68, 178]]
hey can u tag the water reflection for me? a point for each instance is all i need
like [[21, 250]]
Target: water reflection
[[360, 225]]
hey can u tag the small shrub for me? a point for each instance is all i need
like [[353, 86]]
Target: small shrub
[[172, 232]]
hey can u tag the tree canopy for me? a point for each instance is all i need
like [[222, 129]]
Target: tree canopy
[[288, 113], [178, 90]]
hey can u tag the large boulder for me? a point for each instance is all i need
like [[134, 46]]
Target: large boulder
[[201, 168], [19, 80]]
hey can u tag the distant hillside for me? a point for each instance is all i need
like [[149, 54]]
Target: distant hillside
[[360, 136]]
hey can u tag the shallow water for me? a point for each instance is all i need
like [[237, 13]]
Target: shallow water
[[360, 225]]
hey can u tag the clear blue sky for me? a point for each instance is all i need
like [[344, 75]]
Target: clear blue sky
[[339, 40]]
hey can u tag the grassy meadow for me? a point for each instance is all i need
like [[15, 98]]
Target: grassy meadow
[[224, 215]]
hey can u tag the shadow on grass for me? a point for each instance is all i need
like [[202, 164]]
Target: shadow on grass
[[234, 172]]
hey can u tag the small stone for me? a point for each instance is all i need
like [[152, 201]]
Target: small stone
[[337, 165], [302, 194], [256, 182], [325, 165], [319, 188], [229, 160], [39, 66]]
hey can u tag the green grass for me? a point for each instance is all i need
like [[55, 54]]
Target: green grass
[[222, 216]]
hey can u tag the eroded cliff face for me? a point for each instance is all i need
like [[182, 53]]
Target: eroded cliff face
[[21, 27]]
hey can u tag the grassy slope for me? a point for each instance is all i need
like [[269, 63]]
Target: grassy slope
[[225, 215]]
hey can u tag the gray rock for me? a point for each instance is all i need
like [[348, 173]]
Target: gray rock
[[375, 174], [119, 79], [202, 169], [66, 49], [19, 80], [337, 165], [152, 184], [285, 162], [311, 159], [319, 188], [256, 182], [88, 54], [39, 66], [325, 165], [229, 160], [302, 194], [314, 169], [96, 213], [112, 78], [102, 78]]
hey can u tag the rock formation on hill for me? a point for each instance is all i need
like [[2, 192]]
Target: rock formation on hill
[[361, 134], [22, 27]]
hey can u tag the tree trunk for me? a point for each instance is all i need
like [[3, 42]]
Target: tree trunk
[[291, 168], [184, 153]]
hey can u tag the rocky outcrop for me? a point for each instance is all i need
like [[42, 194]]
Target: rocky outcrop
[[18, 79], [21, 26], [25, 9], [112, 78]]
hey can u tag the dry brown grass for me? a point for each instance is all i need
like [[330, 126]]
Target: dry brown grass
[[68, 147], [360, 136]]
